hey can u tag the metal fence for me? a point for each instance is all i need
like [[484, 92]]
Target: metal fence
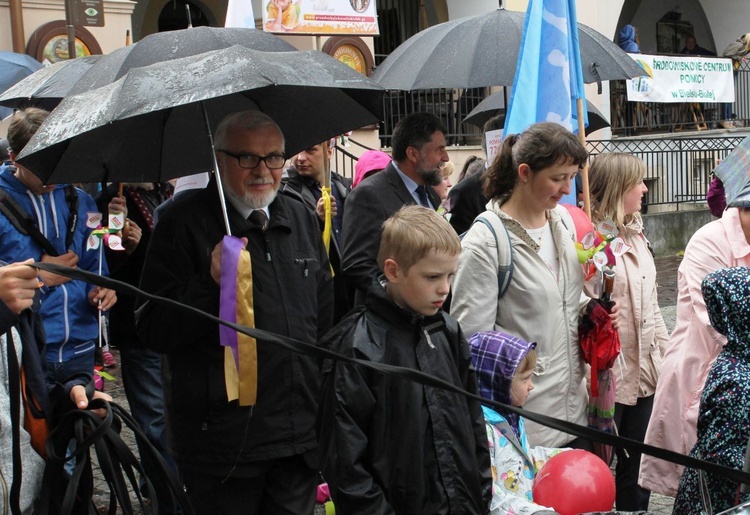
[[678, 169], [450, 105]]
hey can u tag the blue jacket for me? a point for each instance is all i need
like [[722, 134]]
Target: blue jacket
[[70, 322], [626, 40]]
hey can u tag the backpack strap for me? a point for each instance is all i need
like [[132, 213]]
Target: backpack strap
[[14, 390], [504, 249], [23, 223], [71, 197]]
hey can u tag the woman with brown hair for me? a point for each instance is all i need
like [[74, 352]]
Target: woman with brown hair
[[542, 303]]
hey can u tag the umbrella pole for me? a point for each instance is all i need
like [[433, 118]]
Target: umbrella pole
[[327, 164], [219, 186], [585, 171]]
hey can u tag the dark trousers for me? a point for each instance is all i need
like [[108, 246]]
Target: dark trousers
[[285, 486], [581, 443], [631, 422]]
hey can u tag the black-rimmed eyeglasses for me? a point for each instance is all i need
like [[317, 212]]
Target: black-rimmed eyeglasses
[[250, 161]]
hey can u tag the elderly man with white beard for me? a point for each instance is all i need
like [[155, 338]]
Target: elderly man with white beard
[[232, 457]]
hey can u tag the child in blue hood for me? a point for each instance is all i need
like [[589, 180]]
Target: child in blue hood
[[724, 416], [627, 39], [504, 366]]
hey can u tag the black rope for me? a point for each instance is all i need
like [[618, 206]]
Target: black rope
[[413, 375], [119, 466]]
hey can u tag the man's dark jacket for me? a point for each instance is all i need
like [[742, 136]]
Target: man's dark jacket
[[389, 445], [467, 201], [292, 295], [299, 187], [370, 204], [127, 267]]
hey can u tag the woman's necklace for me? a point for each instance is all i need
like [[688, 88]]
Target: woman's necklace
[[537, 235]]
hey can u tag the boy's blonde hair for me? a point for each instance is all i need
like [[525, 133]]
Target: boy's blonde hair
[[611, 176], [412, 232], [527, 364]]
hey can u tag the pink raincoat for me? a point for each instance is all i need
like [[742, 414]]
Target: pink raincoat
[[692, 349]]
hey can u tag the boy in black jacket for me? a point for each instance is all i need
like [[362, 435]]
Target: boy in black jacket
[[389, 445]]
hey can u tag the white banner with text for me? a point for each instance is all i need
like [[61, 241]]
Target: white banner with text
[[682, 79]]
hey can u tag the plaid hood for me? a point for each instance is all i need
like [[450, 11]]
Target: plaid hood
[[496, 357]]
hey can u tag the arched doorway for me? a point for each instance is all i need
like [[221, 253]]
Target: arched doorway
[[662, 28], [173, 16]]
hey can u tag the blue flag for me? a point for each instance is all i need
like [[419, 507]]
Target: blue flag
[[548, 78]]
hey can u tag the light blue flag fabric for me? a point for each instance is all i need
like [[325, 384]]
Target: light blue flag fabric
[[549, 78]]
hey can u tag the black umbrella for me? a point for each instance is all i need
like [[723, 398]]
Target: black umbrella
[[495, 104], [150, 125], [482, 51], [175, 44], [45, 88]]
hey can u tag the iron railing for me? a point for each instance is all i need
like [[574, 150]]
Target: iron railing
[[450, 105], [678, 169]]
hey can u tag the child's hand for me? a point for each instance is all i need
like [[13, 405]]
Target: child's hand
[[78, 396], [69, 259], [18, 284], [107, 297]]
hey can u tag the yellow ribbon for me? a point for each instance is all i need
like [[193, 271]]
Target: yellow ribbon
[[241, 379], [328, 222]]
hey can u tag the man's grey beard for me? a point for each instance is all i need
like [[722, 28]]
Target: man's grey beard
[[431, 177], [253, 201]]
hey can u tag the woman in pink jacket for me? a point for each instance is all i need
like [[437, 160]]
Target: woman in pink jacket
[[693, 346], [617, 190]]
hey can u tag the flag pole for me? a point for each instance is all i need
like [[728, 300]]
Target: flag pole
[[585, 171]]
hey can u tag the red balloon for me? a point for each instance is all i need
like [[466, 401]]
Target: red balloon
[[574, 482], [581, 221]]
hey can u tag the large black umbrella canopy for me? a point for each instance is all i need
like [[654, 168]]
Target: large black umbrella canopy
[[481, 51], [150, 125], [45, 88], [176, 44], [495, 104]]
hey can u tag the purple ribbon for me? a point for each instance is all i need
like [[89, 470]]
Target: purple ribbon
[[230, 255]]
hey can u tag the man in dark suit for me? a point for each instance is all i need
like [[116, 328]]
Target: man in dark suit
[[418, 146], [466, 199]]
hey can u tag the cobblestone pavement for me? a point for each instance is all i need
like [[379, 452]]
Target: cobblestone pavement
[[666, 272]]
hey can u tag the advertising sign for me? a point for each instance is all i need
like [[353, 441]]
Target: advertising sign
[[333, 17]]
